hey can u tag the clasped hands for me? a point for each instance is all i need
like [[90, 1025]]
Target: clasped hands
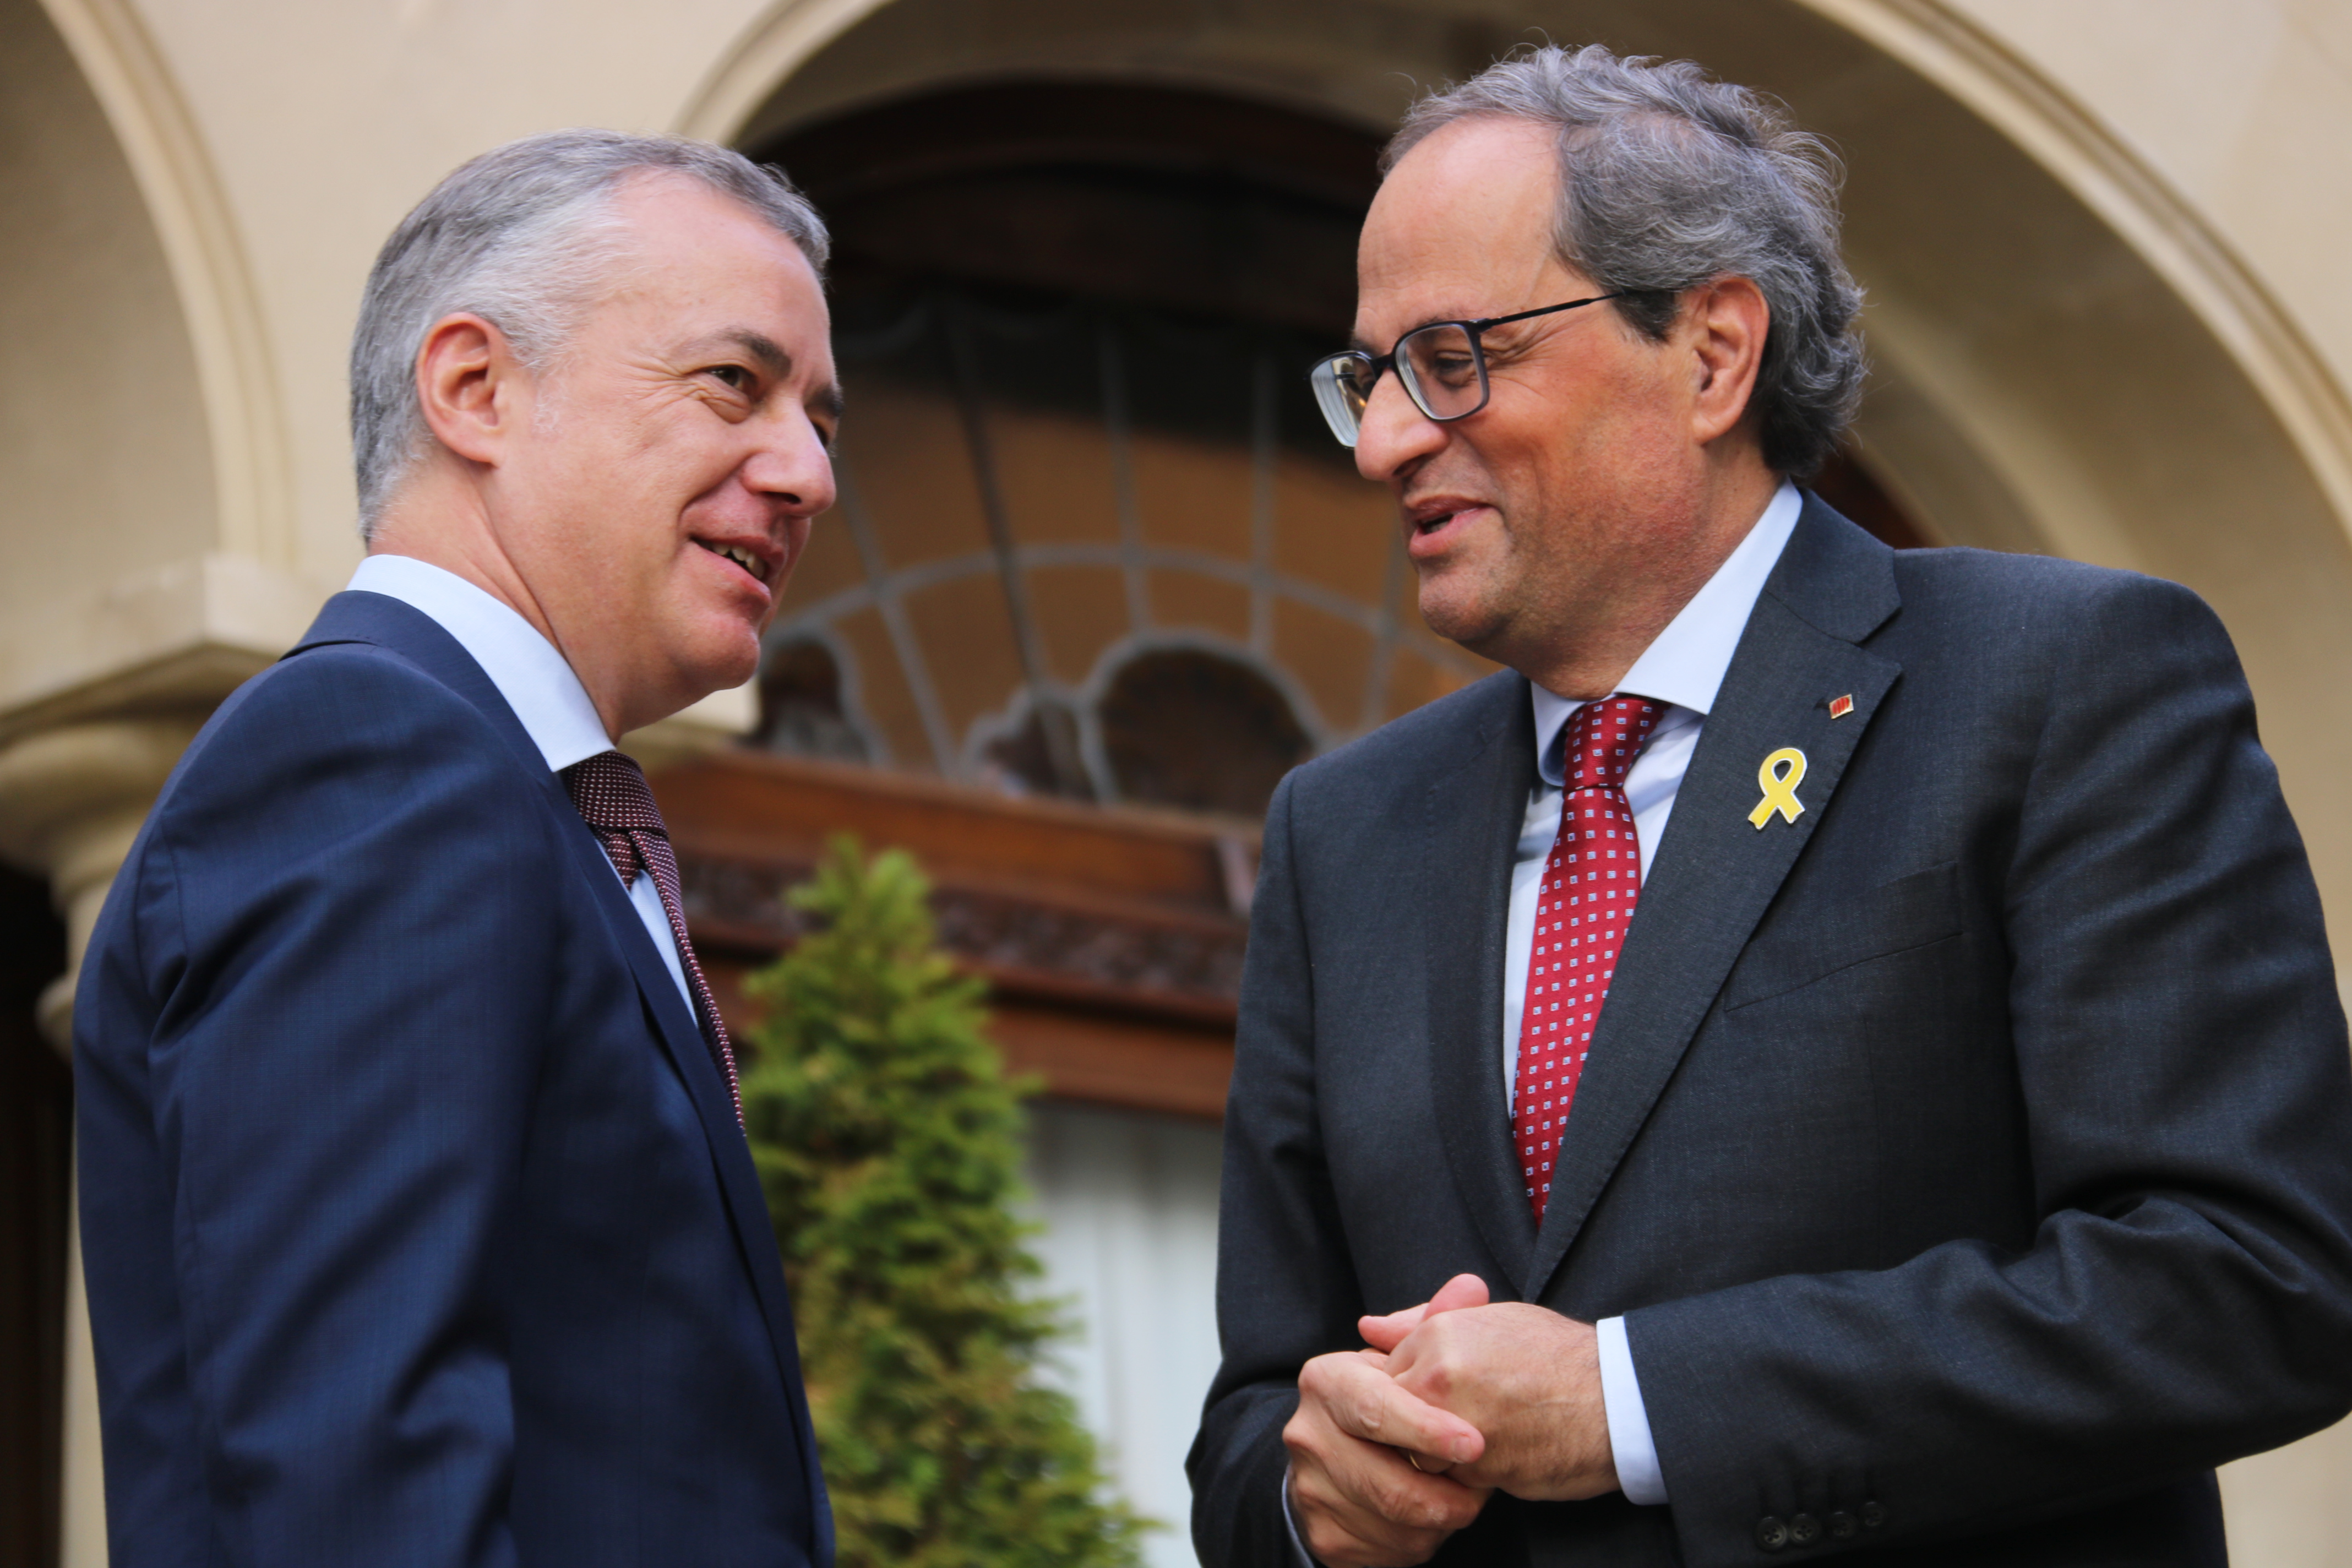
[[1397, 1445]]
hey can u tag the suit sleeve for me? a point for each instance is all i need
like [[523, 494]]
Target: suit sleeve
[[1285, 1287], [346, 917], [2186, 1298]]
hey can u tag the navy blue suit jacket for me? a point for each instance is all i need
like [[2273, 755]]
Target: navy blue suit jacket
[[417, 1225]]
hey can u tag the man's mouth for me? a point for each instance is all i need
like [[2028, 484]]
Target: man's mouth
[[1436, 519], [753, 563]]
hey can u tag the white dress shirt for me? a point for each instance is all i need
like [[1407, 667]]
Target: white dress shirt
[[549, 700], [1683, 668]]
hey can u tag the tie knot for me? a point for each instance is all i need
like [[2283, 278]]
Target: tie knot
[[610, 791], [1603, 738]]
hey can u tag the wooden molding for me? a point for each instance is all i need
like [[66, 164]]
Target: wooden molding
[[1111, 940]]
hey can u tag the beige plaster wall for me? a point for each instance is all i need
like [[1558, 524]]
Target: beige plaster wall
[[2242, 107], [104, 466]]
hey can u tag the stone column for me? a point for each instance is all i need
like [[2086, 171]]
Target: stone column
[[71, 800], [81, 1514]]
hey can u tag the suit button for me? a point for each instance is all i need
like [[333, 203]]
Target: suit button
[[1804, 1530], [1770, 1533], [1872, 1515], [1843, 1525]]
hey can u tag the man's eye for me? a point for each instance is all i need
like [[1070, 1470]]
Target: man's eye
[[734, 376]]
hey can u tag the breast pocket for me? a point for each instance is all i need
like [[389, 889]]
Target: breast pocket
[[1909, 912]]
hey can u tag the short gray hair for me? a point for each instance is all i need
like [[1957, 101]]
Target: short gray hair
[[1669, 179], [520, 237]]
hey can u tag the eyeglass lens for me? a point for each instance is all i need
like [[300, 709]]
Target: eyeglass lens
[[1444, 371], [1441, 366], [1342, 384]]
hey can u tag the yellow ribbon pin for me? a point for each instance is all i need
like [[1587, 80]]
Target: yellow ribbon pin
[[1782, 772]]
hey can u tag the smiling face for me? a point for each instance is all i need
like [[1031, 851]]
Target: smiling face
[[652, 490], [1587, 501]]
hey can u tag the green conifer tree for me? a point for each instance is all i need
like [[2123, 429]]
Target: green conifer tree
[[889, 1142]]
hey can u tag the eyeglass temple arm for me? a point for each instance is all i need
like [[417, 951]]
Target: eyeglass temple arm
[[1551, 309], [1382, 363]]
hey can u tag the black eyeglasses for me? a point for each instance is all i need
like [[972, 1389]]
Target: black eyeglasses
[[1442, 366]]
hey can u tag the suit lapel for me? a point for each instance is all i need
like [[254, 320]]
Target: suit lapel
[[730, 1153], [1474, 813], [1715, 873], [386, 621], [689, 1054]]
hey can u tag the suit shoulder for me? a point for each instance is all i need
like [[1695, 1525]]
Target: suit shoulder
[[338, 725], [2042, 602], [1414, 745], [327, 671], [1930, 576], [340, 694]]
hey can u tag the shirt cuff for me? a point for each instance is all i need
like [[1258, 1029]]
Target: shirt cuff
[[1298, 1547], [1629, 1424]]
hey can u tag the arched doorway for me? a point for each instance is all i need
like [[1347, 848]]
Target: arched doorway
[[105, 462]]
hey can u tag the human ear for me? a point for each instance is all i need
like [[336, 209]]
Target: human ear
[[1727, 320], [467, 382]]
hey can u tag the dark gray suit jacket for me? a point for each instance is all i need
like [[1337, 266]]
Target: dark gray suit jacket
[[1969, 1158]]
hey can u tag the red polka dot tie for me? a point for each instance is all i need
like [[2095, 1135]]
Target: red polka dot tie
[[1590, 883], [612, 797]]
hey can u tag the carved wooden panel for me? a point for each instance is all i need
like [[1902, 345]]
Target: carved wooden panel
[[1111, 942]]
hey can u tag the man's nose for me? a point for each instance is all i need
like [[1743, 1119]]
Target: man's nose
[[792, 464], [1394, 433]]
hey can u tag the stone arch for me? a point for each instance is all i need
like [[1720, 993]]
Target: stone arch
[[107, 466], [156, 140]]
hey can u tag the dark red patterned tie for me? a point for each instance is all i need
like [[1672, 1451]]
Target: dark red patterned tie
[[614, 798], [1590, 883]]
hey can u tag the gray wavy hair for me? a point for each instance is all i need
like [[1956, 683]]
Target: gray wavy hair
[[522, 236], [1669, 179]]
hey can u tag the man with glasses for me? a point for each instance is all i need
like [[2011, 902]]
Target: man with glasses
[[1832, 1050]]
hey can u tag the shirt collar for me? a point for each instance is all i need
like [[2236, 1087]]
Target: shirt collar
[[524, 666], [1684, 666]]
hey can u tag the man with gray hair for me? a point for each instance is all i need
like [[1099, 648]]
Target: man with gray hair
[[1833, 1050], [419, 1223]]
